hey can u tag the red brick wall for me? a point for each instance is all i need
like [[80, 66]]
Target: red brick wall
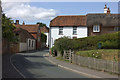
[[5, 46], [8, 47], [103, 30], [14, 47]]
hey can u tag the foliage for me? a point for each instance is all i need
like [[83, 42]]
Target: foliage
[[52, 50], [7, 29], [62, 44], [109, 41], [43, 37], [41, 24], [110, 44]]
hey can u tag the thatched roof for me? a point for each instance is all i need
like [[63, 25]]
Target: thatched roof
[[103, 19]]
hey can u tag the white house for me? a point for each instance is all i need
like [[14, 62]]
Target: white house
[[69, 26]]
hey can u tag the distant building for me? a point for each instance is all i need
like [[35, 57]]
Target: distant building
[[45, 30], [26, 40], [34, 30]]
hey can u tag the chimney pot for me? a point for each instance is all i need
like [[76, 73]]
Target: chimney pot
[[108, 11], [23, 23], [17, 22]]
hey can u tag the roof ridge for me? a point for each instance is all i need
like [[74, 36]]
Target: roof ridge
[[71, 15]]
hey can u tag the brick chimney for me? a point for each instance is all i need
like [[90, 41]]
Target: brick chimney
[[23, 23], [17, 22], [108, 11]]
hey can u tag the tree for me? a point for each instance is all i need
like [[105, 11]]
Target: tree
[[7, 28], [41, 24]]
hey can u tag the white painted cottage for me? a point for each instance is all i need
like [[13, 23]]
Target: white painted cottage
[[70, 26]]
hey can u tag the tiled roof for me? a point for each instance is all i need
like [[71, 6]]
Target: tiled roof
[[44, 29], [23, 34], [72, 20], [29, 28]]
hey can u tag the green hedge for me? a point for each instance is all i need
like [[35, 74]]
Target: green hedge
[[108, 41]]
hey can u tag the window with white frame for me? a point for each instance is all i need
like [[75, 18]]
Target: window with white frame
[[60, 30], [74, 30], [96, 28], [29, 43]]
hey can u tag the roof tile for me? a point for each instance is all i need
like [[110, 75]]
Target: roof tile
[[72, 20]]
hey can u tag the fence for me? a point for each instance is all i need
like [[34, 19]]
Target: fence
[[93, 63]]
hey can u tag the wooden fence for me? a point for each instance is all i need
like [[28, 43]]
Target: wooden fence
[[93, 63]]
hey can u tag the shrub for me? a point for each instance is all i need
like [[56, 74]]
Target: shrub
[[108, 41], [110, 44]]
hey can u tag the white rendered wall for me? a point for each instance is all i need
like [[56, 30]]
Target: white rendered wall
[[68, 32], [31, 47], [22, 47]]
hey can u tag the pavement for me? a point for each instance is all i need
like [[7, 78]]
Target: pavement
[[78, 69]]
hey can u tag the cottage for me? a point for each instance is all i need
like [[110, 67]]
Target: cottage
[[79, 26], [102, 23], [26, 40], [34, 30], [69, 26]]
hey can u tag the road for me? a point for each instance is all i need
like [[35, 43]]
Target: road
[[34, 65]]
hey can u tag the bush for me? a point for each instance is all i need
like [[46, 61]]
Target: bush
[[110, 44], [52, 50], [62, 44], [108, 41]]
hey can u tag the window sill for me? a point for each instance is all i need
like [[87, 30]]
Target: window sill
[[74, 34], [60, 34], [96, 31]]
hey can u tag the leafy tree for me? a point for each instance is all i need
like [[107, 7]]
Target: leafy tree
[[41, 24], [43, 37], [7, 28]]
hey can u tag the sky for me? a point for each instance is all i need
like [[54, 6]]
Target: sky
[[33, 12]]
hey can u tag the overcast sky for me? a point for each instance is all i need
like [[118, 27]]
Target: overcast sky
[[33, 12]]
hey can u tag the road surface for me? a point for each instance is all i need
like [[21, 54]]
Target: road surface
[[34, 65]]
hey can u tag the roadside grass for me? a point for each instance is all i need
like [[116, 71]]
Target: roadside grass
[[106, 54], [61, 59]]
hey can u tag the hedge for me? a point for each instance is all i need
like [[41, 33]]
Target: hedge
[[108, 41]]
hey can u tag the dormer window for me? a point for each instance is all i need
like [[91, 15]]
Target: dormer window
[[96, 28]]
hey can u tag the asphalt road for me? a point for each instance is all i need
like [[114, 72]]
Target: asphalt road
[[34, 65]]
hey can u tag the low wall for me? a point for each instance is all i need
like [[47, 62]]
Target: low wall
[[98, 64], [5, 46], [14, 47]]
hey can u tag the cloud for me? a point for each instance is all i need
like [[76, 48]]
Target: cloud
[[23, 11]]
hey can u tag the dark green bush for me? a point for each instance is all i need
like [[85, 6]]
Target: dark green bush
[[110, 44], [108, 41]]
